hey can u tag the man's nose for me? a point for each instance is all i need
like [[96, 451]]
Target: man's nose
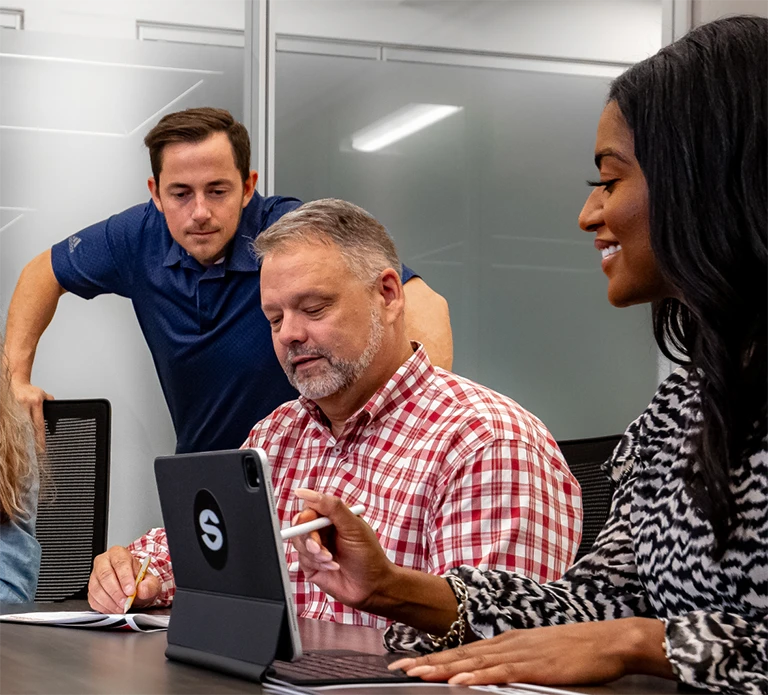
[[201, 213], [292, 330]]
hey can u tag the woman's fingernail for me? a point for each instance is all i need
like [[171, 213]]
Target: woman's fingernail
[[295, 519], [313, 546], [461, 678], [420, 670], [309, 495], [404, 664]]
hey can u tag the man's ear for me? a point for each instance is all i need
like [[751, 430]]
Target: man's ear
[[390, 288], [154, 191], [249, 187]]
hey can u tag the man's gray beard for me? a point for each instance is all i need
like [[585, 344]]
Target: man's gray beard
[[338, 374]]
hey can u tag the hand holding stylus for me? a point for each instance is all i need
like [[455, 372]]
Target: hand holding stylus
[[357, 567], [316, 524]]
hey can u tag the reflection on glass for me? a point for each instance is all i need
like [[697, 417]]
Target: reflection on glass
[[398, 125], [484, 205]]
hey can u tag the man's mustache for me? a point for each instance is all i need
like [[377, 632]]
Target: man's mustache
[[294, 352]]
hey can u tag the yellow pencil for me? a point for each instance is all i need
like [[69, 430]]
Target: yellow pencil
[[139, 577]]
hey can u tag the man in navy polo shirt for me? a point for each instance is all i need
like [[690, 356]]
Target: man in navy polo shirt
[[185, 261]]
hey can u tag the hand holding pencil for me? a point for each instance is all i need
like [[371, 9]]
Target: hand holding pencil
[[120, 581], [139, 577]]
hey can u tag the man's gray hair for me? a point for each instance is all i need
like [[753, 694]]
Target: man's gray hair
[[363, 242]]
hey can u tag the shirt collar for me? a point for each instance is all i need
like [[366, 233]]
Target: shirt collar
[[174, 255], [412, 376], [240, 256]]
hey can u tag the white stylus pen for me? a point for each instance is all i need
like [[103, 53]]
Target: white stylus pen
[[316, 525]]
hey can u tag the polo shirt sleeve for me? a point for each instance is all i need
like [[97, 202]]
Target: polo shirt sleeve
[[275, 207], [408, 274], [100, 259]]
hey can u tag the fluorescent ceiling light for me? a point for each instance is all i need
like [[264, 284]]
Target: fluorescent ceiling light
[[398, 125]]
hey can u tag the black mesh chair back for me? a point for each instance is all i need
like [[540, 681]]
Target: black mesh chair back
[[72, 512], [584, 457]]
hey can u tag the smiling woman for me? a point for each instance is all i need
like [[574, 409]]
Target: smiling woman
[[618, 211], [676, 584]]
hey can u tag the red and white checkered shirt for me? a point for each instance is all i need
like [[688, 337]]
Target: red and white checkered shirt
[[449, 471]]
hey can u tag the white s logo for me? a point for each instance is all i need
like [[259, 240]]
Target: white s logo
[[212, 536]]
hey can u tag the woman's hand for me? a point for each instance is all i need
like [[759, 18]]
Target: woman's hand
[[574, 654], [344, 560]]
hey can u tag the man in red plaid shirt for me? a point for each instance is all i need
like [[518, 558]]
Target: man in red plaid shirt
[[449, 471]]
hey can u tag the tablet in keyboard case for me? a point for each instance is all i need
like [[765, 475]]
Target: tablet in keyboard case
[[230, 611]]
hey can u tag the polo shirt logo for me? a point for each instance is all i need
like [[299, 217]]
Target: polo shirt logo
[[74, 240]]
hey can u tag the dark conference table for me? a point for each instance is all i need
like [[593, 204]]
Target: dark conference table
[[44, 659]]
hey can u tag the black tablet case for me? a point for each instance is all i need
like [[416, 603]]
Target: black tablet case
[[239, 617], [234, 619]]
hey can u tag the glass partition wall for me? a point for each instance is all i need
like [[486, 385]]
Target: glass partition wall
[[476, 161], [73, 115], [482, 199]]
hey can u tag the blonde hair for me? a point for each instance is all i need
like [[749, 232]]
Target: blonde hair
[[17, 465]]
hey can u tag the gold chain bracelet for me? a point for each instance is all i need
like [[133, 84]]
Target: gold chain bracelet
[[455, 635]]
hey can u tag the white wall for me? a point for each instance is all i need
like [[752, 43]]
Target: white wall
[[602, 30], [607, 30], [703, 11], [117, 19]]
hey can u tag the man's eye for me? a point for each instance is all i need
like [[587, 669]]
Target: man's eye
[[314, 311]]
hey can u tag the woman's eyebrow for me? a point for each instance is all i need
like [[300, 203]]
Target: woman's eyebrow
[[609, 152]]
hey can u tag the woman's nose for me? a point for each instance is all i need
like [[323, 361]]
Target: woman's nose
[[591, 215]]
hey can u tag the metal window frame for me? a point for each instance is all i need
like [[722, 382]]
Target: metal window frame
[[11, 18], [173, 32], [258, 90], [676, 19], [408, 53]]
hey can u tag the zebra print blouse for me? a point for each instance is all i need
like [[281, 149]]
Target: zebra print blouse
[[653, 559]]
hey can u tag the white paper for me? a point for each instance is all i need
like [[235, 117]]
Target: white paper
[[426, 687], [140, 622], [509, 689], [520, 689]]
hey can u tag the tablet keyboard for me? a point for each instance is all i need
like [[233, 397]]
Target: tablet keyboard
[[337, 666]]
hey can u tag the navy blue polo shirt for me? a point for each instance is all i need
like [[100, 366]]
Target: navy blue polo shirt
[[210, 341]]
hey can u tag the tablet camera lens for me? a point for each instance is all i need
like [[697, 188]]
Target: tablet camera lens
[[251, 472]]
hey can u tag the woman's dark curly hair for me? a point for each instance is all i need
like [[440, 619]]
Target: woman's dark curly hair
[[697, 110]]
